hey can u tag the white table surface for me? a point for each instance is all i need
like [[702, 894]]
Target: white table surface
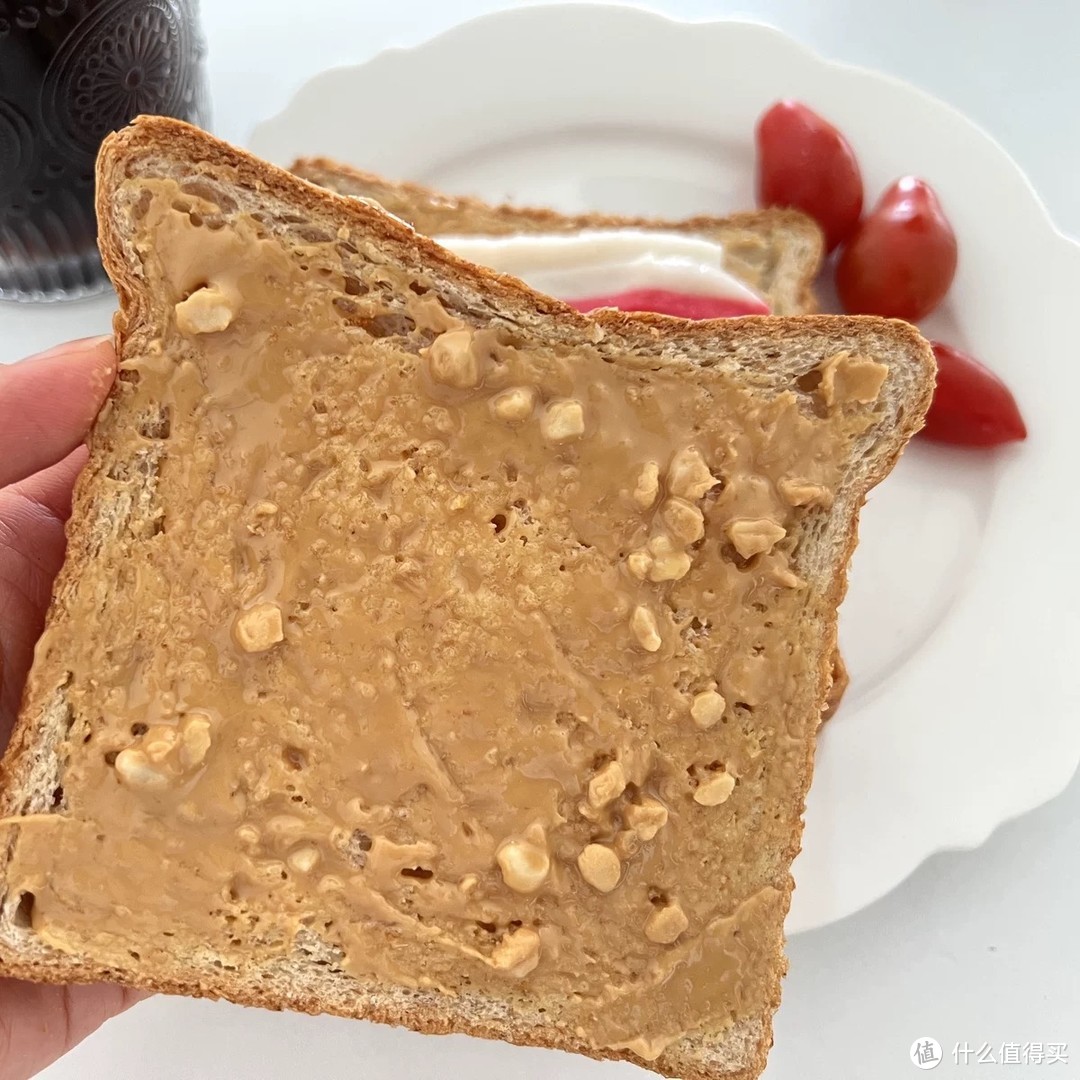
[[976, 947]]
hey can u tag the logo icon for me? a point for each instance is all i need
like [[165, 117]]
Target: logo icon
[[925, 1053]]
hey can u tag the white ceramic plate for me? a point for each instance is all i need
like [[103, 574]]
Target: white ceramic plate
[[962, 624]]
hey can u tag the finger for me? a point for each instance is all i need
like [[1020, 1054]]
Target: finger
[[39, 1024], [32, 516], [47, 404]]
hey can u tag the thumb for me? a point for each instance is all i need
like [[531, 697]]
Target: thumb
[[39, 1024], [32, 516]]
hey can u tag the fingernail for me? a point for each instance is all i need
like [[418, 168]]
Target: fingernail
[[80, 345]]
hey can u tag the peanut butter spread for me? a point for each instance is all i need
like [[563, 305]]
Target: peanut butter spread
[[473, 656]]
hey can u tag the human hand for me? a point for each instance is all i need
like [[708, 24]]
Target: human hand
[[47, 404]]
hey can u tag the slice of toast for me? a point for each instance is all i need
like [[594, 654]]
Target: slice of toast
[[776, 252], [425, 650]]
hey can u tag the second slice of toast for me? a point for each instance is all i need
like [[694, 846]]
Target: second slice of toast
[[776, 252]]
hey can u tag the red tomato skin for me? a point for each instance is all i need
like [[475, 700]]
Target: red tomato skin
[[804, 162], [902, 260], [971, 406]]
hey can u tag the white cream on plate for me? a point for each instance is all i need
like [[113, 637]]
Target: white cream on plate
[[606, 262]]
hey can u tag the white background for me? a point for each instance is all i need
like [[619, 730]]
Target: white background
[[976, 947]]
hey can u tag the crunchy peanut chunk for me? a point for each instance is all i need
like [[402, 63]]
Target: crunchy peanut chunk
[[600, 867], [206, 311], [688, 476], [668, 562], [754, 536], [453, 361], [684, 521], [800, 492], [517, 952], [788, 579], [524, 865], [563, 421], [648, 485], [248, 835], [136, 770], [645, 630], [646, 818], [666, 924], [607, 785], [639, 563], [159, 741], [647, 1047], [840, 681], [515, 405], [707, 708], [258, 628], [194, 740], [304, 859], [715, 790]]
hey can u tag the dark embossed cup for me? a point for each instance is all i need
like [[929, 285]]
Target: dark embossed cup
[[71, 71]]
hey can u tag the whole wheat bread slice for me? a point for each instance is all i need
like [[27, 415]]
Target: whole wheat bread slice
[[136, 520], [776, 252]]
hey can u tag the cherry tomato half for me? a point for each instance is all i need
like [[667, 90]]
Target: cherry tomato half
[[902, 260], [972, 406], [804, 162]]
